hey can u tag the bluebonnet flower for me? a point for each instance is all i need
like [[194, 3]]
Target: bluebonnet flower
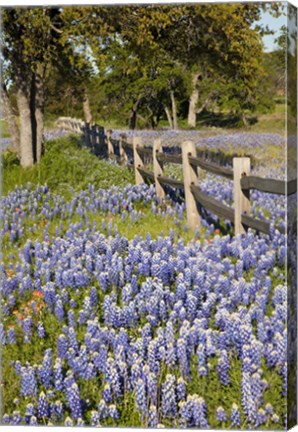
[[80, 422], [57, 409], [73, 343], [72, 322], [152, 417], [106, 393], [221, 414], [28, 381], [169, 403], [62, 346], [82, 317], [199, 412], [6, 419], [33, 421], [30, 410], [261, 417], [93, 296], [27, 327], [18, 367], [235, 415], [249, 405], [113, 412], [181, 389], [223, 367], [102, 409], [152, 387], [58, 375], [95, 418], [275, 418], [74, 401], [45, 372], [2, 335], [68, 422], [42, 406], [41, 330], [16, 418], [140, 397], [11, 336], [269, 409], [182, 356], [201, 355], [170, 355]]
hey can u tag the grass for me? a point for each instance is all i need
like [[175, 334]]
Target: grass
[[65, 167]]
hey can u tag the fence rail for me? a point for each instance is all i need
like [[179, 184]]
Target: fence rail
[[135, 155], [278, 187]]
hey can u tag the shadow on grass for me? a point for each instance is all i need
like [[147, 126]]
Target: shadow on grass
[[224, 120]]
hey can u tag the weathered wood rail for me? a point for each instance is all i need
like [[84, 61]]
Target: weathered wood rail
[[134, 155]]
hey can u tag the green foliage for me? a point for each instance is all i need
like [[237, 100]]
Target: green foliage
[[65, 167], [9, 160]]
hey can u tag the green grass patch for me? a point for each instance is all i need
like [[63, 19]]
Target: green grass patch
[[65, 167]]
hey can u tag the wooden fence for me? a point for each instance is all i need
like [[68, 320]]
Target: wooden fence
[[135, 155]]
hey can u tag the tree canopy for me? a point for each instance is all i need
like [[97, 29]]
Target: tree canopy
[[138, 63]]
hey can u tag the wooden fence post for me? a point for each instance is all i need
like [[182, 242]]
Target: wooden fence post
[[110, 144], [102, 140], [241, 168], [93, 137], [137, 160], [97, 139], [190, 177], [157, 168], [87, 134], [123, 155]]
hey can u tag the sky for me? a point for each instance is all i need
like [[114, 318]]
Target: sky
[[275, 25]]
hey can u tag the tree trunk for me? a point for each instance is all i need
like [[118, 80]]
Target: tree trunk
[[244, 120], [174, 109], [133, 114], [11, 121], [169, 117], [86, 108], [193, 100], [39, 110], [32, 116], [26, 148]]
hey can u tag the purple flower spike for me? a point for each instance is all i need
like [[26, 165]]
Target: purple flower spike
[[74, 401], [235, 415], [221, 414], [141, 397], [152, 417], [169, 403], [42, 406]]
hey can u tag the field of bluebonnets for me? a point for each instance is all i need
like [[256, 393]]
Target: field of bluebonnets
[[114, 313]]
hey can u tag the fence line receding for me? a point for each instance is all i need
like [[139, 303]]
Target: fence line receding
[[132, 153]]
